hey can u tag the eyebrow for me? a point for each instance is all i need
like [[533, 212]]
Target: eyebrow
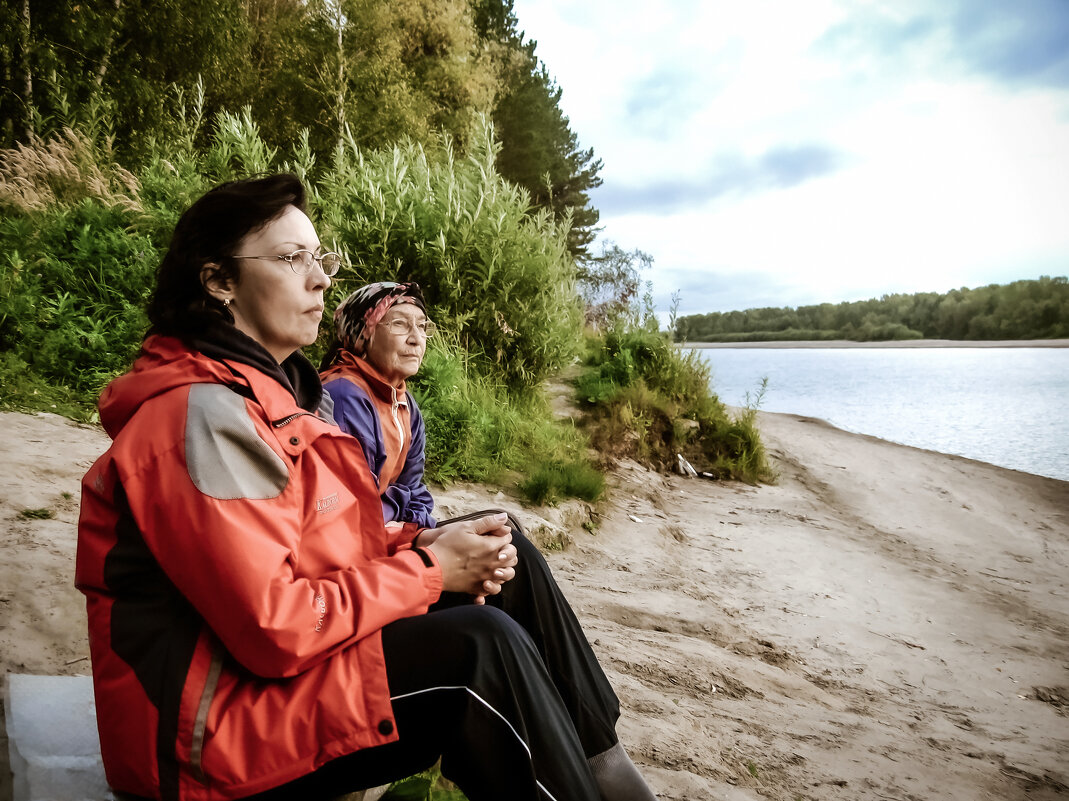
[[299, 246]]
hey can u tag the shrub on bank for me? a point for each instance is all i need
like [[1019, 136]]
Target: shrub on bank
[[651, 401], [80, 242], [479, 431]]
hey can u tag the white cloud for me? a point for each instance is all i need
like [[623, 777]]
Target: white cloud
[[816, 150]]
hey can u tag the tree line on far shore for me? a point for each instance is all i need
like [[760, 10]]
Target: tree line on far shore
[[1029, 309]]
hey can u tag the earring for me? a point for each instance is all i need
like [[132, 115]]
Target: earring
[[226, 303]]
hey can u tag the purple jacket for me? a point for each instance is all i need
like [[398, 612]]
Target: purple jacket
[[406, 499]]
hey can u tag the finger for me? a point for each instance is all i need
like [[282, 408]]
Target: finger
[[493, 524], [503, 574], [491, 587], [508, 556], [479, 600]]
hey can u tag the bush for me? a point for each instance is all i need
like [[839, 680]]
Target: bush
[[478, 431], [81, 238], [496, 276], [650, 401], [75, 282], [549, 483]]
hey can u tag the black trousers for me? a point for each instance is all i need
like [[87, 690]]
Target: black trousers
[[509, 695]]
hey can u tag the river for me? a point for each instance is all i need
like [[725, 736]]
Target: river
[[1005, 406]]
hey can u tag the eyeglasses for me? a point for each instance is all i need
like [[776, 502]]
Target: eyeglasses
[[301, 261], [400, 327]]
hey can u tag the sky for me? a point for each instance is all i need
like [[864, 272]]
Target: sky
[[806, 151]]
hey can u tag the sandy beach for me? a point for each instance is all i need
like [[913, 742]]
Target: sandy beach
[[882, 623]]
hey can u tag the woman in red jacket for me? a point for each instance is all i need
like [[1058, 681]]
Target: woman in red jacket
[[254, 627]]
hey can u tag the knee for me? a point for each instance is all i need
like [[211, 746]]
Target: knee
[[487, 627], [531, 561], [483, 621]]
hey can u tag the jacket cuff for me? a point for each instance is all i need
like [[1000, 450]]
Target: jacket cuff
[[429, 571], [404, 538]]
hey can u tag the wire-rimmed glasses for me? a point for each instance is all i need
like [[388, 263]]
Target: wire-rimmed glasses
[[301, 261], [399, 326]]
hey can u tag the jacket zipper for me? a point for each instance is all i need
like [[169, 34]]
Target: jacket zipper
[[289, 419], [396, 420]]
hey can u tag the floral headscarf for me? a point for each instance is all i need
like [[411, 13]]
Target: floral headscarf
[[358, 314]]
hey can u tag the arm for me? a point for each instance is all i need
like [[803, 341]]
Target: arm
[[355, 414], [234, 555], [408, 498]]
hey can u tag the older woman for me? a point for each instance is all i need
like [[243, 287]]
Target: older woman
[[254, 627], [381, 335]]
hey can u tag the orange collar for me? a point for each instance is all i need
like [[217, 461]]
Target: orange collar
[[346, 360]]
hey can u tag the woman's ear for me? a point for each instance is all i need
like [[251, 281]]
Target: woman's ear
[[215, 283]]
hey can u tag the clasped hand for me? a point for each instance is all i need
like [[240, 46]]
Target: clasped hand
[[476, 556]]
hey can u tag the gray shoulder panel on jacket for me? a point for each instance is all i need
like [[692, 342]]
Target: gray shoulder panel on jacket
[[326, 409], [226, 458]]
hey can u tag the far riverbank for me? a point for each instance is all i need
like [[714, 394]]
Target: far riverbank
[[892, 343]]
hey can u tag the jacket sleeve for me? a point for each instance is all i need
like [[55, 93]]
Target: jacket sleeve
[[230, 541], [408, 499], [355, 415]]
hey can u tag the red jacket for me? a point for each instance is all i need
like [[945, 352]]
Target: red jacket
[[234, 619]]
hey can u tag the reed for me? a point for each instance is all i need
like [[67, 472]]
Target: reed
[[494, 273]]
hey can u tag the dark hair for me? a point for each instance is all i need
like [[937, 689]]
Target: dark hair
[[207, 232]]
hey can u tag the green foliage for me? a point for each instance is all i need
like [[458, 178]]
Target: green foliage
[[478, 431], [499, 280], [1036, 309], [426, 786], [329, 75], [374, 70], [78, 255], [23, 390], [551, 482], [37, 514], [75, 283], [650, 401]]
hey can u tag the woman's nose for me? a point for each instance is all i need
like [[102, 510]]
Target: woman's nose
[[320, 280]]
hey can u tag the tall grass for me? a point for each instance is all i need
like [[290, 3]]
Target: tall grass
[[477, 430], [71, 275], [496, 275], [81, 237]]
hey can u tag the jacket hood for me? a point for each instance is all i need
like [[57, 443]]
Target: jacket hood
[[163, 364]]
